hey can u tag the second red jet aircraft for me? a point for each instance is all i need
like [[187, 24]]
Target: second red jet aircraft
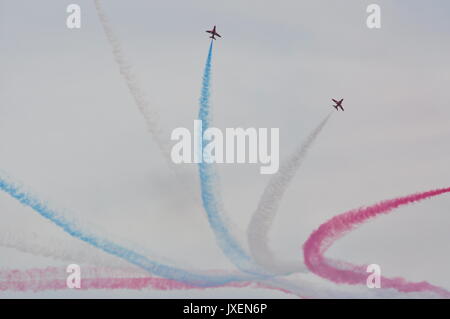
[[338, 104]]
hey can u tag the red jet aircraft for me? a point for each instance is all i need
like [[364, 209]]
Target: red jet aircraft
[[213, 33], [338, 104]]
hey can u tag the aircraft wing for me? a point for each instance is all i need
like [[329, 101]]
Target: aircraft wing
[[218, 35], [335, 101]]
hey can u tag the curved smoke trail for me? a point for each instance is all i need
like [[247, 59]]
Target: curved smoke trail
[[110, 247], [262, 219], [172, 274], [325, 236], [226, 240], [208, 183], [119, 277], [214, 208]]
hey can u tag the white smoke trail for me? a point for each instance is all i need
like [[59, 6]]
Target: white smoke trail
[[262, 219], [71, 252], [148, 112], [59, 249], [150, 115]]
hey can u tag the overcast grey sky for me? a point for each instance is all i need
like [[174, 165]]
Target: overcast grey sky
[[69, 128]]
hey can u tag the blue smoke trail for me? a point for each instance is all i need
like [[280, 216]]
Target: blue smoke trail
[[112, 248], [208, 179]]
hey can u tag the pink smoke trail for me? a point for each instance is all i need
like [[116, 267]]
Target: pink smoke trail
[[325, 236], [53, 278]]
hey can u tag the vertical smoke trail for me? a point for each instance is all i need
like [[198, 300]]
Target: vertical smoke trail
[[110, 247], [208, 183], [325, 236], [262, 219]]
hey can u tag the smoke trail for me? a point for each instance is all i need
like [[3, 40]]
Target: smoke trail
[[57, 249], [226, 241], [208, 183], [262, 219], [98, 278], [53, 278], [110, 247], [131, 278], [151, 117], [330, 231], [189, 278]]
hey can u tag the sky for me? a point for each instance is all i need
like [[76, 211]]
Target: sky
[[71, 132]]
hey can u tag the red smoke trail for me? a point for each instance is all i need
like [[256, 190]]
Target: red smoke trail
[[52, 278], [322, 239]]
